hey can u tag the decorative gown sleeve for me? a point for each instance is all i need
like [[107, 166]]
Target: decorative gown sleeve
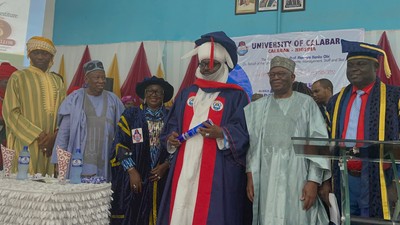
[[236, 130], [121, 152]]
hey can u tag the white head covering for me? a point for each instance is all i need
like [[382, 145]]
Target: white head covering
[[41, 43], [220, 55]]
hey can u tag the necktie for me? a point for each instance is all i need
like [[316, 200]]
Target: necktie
[[351, 132]]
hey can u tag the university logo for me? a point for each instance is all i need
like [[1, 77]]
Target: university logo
[[217, 106], [242, 48], [190, 101]]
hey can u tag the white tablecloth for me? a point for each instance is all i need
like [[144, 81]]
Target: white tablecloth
[[31, 202]]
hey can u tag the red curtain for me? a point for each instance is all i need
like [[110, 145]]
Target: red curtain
[[79, 77], [395, 77], [139, 70], [190, 75]]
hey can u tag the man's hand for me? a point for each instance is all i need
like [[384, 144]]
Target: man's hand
[[46, 143], [309, 194], [42, 140], [172, 139], [250, 187], [211, 131], [324, 190]]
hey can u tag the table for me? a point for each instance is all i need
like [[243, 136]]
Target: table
[[32, 202]]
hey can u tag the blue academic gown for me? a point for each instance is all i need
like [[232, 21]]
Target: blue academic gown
[[371, 129], [228, 191], [128, 207]]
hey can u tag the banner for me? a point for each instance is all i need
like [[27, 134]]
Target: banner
[[317, 55], [13, 28]]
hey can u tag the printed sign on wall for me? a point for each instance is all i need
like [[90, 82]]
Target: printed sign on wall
[[317, 55]]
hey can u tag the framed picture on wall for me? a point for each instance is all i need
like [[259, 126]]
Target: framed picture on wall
[[293, 5], [267, 5], [245, 6]]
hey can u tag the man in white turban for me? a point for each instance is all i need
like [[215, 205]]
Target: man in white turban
[[206, 183]]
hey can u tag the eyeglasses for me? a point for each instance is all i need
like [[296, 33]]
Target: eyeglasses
[[205, 63], [96, 65], [158, 92], [278, 74]]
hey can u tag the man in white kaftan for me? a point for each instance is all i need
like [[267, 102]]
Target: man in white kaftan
[[283, 185]]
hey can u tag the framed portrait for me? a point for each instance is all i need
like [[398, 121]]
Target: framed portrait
[[267, 5], [245, 6], [293, 5]]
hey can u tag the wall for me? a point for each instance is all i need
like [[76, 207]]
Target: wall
[[49, 18], [40, 22], [79, 22]]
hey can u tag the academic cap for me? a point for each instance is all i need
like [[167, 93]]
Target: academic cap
[[360, 50], [168, 88]]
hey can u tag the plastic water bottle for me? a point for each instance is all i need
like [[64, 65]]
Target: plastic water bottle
[[23, 164], [76, 167]]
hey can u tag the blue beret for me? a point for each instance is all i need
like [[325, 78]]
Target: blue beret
[[221, 38]]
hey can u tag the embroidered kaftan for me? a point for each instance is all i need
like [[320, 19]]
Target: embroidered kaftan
[[30, 107], [278, 173]]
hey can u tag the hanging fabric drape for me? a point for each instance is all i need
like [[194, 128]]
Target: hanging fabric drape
[[139, 70], [61, 70], [113, 72], [79, 77], [395, 77], [190, 75]]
